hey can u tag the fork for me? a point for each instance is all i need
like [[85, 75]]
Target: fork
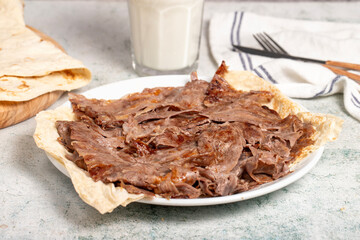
[[270, 45]]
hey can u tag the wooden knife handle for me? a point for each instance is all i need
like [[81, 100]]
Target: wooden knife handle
[[335, 70], [352, 66]]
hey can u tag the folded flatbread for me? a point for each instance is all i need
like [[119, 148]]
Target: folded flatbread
[[30, 66], [106, 197]]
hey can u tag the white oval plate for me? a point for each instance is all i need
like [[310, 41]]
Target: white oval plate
[[121, 88]]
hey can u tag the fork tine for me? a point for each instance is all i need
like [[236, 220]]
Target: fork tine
[[276, 44], [268, 43], [261, 44]]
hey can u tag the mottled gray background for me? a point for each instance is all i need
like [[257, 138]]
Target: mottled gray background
[[39, 202]]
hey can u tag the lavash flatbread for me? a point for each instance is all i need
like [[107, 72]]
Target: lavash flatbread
[[106, 197], [13, 11], [30, 66]]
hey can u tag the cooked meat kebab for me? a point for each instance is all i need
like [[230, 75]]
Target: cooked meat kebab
[[204, 139]]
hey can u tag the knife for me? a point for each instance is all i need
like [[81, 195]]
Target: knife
[[275, 55], [328, 64]]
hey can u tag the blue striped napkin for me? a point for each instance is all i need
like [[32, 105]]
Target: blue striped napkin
[[313, 39]]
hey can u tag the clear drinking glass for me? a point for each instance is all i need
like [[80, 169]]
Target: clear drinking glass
[[165, 35]]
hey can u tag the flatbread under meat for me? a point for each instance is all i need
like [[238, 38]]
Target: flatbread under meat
[[201, 140]]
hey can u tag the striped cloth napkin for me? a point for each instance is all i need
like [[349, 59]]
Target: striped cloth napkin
[[312, 39]]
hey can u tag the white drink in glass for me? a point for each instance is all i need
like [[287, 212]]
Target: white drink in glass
[[165, 35]]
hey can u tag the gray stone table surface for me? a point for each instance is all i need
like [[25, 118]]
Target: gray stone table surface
[[38, 202]]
